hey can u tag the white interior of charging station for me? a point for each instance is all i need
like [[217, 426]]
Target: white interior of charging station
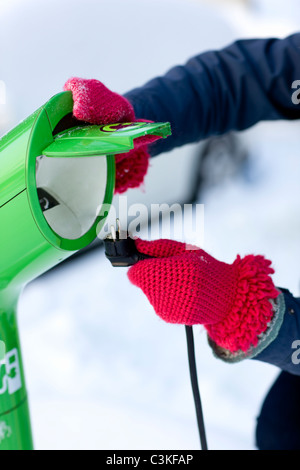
[[79, 185]]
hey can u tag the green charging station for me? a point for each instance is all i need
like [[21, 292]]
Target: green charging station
[[56, 177]]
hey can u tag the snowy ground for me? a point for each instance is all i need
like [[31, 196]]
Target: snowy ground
[[103, 372]]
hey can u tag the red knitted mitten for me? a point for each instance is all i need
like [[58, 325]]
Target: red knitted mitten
[[189, 286], [96, 104]]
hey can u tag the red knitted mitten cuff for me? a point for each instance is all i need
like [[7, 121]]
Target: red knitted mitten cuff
[[131, 169], [251, 311]]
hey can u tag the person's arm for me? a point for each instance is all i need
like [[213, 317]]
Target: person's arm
[[220, 91], [284, 350], [280, 343]]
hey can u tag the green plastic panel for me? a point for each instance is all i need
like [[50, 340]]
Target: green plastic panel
[[102, 140]]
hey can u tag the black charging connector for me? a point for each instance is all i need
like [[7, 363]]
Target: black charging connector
[[121, 251]]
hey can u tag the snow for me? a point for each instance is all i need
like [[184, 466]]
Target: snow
[[102, 371]]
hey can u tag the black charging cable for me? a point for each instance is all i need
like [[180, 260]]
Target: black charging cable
[[121, 251], [195, 386]]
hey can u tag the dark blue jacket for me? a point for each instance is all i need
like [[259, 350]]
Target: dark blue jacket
[[233, 89]]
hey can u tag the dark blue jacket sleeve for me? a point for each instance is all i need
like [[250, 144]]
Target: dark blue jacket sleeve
[[284, 350], [220, 91]]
